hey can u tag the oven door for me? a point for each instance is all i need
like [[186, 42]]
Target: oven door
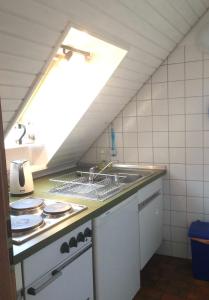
[[71, 280]]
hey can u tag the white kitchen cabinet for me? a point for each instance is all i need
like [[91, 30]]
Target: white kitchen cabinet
[[116, 252], [150, 220]]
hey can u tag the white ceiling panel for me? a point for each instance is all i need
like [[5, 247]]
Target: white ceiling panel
[[135, 64], [10, 104], [197, 6], [20, 47], [26, 30], [14, 63], [143, 10], [111, 99], [16, 78], [126, 83], [103, 24], [205, 3], [127, 17], [144, 57], [128, 74], [170, 14], [185, 10], [35, 13], [7, 116], [115, 91], [12, 91]]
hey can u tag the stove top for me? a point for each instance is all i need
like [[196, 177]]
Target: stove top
[[32, 216]]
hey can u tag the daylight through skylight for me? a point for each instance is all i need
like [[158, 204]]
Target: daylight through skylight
[[68, 88]]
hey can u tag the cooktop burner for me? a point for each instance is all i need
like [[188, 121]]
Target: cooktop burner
[[25, 222], [57, 208], [26, 206], [33, 216]]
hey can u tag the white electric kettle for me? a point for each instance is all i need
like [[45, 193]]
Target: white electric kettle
[[21, 180]]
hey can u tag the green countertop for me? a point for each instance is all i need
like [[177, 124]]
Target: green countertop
[[95, 208]]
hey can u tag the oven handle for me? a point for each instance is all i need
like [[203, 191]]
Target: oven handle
[[34, 290]]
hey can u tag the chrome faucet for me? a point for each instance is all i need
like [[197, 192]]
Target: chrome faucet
[[91, 174], [105, 167]]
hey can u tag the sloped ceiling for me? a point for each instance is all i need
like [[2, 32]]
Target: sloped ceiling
[[30, 32]]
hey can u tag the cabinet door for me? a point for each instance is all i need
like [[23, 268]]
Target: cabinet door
[[150, 221], [116, 252]]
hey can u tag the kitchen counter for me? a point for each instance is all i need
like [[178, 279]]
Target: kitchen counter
[[95, 208]]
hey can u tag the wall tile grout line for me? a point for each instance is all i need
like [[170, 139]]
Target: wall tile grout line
[[170, 229], [153, 158], [185, 94], [203, 126]]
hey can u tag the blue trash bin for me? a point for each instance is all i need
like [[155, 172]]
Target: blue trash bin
[[200, 249]]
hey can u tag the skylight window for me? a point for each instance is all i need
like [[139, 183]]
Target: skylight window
[[68, 88]]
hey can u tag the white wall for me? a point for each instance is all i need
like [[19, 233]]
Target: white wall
[[167, 123]]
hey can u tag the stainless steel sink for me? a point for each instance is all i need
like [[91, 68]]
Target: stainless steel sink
[[130, 176], [101, 187], [77, 184]]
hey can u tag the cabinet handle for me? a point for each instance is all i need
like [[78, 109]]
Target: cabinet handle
[[148, 200]]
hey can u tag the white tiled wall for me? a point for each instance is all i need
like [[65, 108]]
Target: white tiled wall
[[167, 123]]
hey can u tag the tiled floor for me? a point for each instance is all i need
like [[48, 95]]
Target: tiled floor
[[169, 278]]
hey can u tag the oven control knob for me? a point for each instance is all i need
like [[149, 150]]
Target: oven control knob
[[64, 248], [73, 242], [80, 237], [87, 232]]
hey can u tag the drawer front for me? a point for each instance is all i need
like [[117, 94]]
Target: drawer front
[[149, 190]]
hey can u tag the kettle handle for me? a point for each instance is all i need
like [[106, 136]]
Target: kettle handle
[[21, 175], [19, 141]]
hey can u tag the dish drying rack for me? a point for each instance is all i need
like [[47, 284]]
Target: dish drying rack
[[77, 184]]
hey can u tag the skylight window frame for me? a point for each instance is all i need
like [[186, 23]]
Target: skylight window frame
[[57, 58]]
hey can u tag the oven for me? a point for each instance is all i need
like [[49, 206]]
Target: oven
[[62, 270]]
